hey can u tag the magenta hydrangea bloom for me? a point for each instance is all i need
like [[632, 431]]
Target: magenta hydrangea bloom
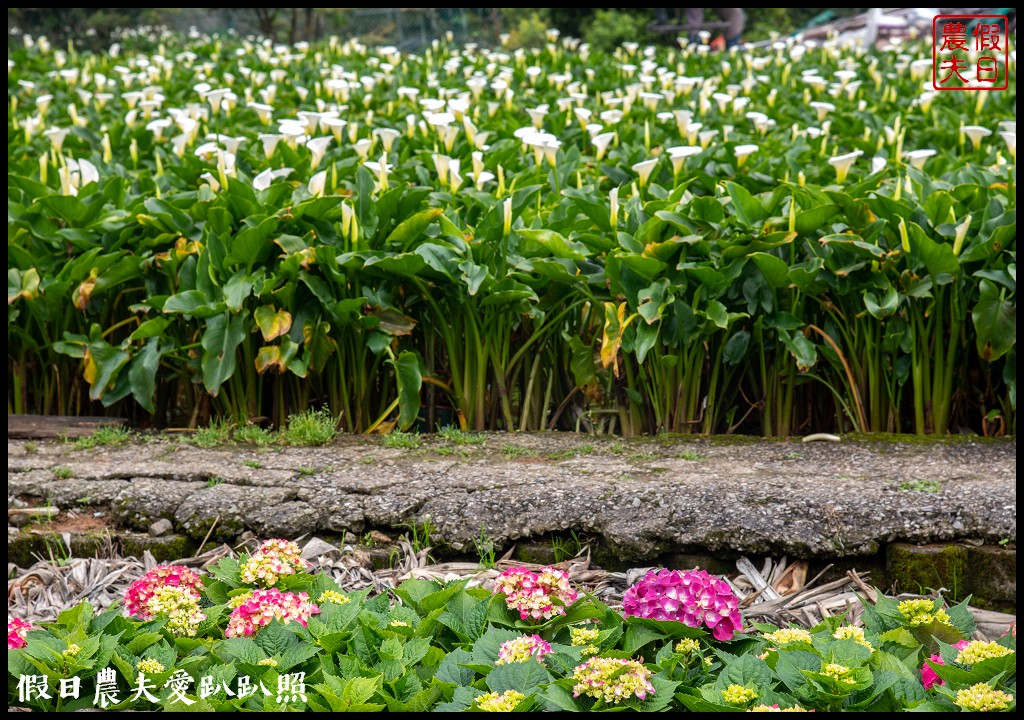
[[692, 597], [929, 678], [16, 629], [263, 606], [139, 593]]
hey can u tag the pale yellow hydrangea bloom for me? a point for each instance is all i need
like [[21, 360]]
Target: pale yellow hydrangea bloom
[[269, 662], [978, 650], [837, 672], [333, 596], [149, 666], [739, 695], [849, 632], [983, 698], [687, 646], [583, 636], [922, 612], [505, 702], [788, 635]]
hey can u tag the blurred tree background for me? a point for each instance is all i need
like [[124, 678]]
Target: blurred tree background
[[409, 28]]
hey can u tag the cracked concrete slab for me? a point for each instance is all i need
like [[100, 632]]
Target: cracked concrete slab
[[640, 498]]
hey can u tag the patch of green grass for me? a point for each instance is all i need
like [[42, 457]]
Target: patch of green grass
[[31, 446], [447, 451], [253, 435], [63, 472], [313, 427], [217, 433], [928, 486], [368, 460], [461, 437], [626, 477], [307, 470], [793, 456], [103, 437], [254, 464], [402, 440], [513, 452], [485, 549], [691, 455], [214, 481], [566, 548], [420, 535], [617, 447]]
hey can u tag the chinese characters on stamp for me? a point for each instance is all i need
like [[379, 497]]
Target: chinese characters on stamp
[[970, 52]]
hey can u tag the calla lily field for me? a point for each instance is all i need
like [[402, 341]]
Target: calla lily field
[[794, 238], [789, 239]]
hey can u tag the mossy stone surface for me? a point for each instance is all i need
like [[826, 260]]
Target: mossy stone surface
[[925, 568], [992, 571]]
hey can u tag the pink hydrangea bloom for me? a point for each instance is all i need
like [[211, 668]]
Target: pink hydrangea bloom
[[523, 648], [929, 678], [271, 560], [265, 605], [536, 595], [692, 597], [137, 597], [16, 630]]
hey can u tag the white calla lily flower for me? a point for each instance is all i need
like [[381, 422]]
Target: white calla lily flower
[[335, 126], [454, 176], [75, 175], [363, 147], [823, 109], [976, 133], [679, 154], [381, 170], [644, 169], [264, 112], [917, 158], [742, 152], [269, 141], [266, 178], [1010, 138], [601, 143], [387, 137], [318, 148], [704, 137], [843, 163], [442, 164], [56, 137], [318, 184]]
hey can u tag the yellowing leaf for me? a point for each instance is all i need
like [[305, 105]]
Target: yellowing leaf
[[91, 370], [268, 357], [81, 294], [615, 323], [273, 324]]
